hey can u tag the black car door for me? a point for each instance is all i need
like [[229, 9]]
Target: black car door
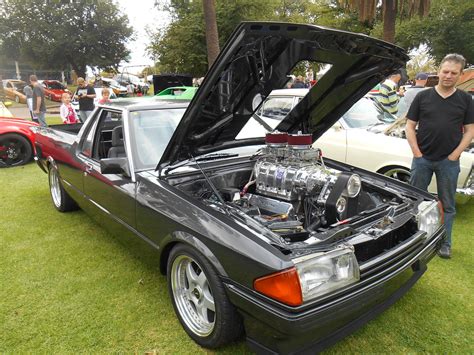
[[109, 194]]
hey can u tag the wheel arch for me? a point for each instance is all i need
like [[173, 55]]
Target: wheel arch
[[387, 167], [180, 237]]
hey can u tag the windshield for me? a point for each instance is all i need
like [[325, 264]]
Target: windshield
[[19, 86], [366, 112], [151, 131], [56, 86]]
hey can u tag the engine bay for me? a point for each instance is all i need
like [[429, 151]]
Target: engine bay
[[290, 191]]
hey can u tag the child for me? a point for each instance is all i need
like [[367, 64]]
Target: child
[[68, 115], [105, 96]]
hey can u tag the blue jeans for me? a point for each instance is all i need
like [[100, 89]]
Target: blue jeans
[[42, 119], [83, 115], [447, 172]]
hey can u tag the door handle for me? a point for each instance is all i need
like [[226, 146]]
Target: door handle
[[88, 168]]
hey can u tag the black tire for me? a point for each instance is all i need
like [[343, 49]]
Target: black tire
[[195, 288], [61, 199], [397, 172], [14, 150]]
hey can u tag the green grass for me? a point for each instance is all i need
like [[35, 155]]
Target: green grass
[[67, 285]]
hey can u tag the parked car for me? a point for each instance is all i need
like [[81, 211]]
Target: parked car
[[14, 90], [293, 250], [16, 141], [361, 137], [177, 93], [53, 89], [139, 85], [114, 85], [98, 96], [383, 148]]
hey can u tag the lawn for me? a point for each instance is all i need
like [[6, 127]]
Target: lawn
[[69, 286]]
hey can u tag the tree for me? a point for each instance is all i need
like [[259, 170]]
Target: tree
[[181, 47], [448, 28], [391, 9], [56, 34], [212, 37]]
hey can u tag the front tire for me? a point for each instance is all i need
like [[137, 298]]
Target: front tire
[[14, 150], [199, 299], [17, 99], [61, 199]]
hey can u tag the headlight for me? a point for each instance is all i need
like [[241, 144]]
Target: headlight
[[354, 185], [429, 217], [325, 272]]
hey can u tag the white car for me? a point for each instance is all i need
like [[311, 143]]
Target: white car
[[114, 85], [366, 136]]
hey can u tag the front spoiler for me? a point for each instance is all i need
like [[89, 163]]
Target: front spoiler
[[271, 329]]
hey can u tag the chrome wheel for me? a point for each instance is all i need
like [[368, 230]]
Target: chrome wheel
[[193, 296], [55, 187], [399, 174], [17, 99]]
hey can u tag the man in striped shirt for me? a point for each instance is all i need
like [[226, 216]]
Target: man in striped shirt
[[388, 96]]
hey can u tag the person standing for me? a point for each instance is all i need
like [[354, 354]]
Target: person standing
[[299, 83], [66, 111], [445, 120], [388, 96], [85, 94], [28, 91], [39, 105], [420, 83]]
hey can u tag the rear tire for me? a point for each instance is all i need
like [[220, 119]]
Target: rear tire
[[14, 150], [61, 199], [199, 299]]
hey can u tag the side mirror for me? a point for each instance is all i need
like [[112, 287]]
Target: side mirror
[[115, 166]]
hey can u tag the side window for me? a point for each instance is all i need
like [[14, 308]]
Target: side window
[[108, 138], [86, 147]]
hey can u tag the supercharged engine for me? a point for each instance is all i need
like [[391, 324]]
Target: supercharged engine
[[294, 190]]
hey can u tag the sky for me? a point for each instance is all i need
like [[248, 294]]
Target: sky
[[141, 14]]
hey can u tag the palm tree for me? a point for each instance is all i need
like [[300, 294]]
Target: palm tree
[[212, 37], [390, 9]]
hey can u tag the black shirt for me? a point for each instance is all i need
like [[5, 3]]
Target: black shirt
[[440, 121], [85, 103], [38, 92]]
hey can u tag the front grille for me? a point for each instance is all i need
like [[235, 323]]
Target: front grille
[[369, 249]]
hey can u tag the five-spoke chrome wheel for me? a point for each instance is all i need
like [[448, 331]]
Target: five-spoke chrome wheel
[[193, 296]]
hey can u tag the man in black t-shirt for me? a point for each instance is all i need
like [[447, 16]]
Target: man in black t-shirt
[[445, 119], [85, 94], [39, 105]]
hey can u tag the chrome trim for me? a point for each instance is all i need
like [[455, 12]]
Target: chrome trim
[[126, 142]]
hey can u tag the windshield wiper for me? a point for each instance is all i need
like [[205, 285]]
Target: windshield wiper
[[216, 156]]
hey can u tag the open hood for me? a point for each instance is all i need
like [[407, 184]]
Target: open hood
[[256, 60]]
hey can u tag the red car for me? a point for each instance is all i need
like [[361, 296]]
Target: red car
[[53, 89], [16, 141]]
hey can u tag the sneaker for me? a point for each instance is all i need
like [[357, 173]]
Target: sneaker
[[445, 252]]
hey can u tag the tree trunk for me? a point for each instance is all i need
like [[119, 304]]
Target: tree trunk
[[212, 37], [389, 17]]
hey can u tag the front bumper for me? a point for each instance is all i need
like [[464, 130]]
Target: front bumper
[[271, 328]]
